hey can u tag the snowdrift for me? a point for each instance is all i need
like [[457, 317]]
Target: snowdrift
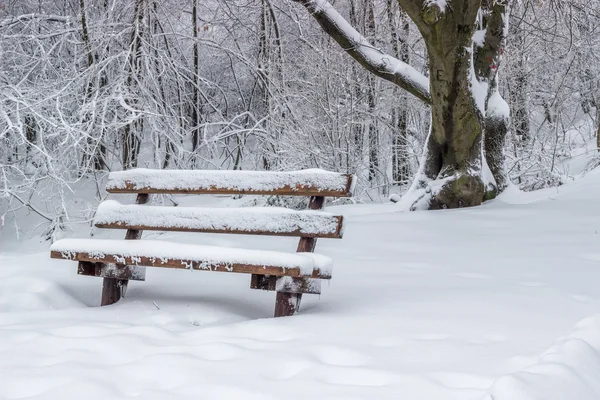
[[569, 370]]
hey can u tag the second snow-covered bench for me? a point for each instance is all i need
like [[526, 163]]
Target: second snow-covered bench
[[289, 274]]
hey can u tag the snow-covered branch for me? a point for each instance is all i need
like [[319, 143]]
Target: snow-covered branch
[[40, 17], [374, 60]]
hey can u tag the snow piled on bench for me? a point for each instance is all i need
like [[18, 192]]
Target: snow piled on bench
[[247, 219], [206, 255], [242, 181]]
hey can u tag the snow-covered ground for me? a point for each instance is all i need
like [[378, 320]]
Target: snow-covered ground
[[494, 302]]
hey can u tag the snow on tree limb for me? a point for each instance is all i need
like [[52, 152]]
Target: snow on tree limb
[[374, 60], [28, 17]]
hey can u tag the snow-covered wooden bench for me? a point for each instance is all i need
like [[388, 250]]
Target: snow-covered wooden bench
[[289, 274]]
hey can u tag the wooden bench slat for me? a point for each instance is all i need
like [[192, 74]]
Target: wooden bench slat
[[155, 253], [273, 221], [311, 182]]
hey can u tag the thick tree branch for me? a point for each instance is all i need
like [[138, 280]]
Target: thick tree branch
[[374, 60], [488, 54]]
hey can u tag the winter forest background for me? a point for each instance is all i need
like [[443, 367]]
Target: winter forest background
[[90, 86]]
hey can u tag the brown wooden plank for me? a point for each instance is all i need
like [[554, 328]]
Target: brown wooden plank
[[287, 190], [189, 264], [113, 289], [297, 233]]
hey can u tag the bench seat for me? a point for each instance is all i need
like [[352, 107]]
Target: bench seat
[[159, 253], [277, 221]]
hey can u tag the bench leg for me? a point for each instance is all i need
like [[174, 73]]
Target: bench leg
[[286, 303], [112, 290]]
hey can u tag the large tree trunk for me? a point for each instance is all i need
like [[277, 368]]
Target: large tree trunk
[[464, 155], [453, 155], [462, 92]]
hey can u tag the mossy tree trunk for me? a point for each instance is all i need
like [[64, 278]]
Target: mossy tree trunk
[[469, 118], [463, 163], [454, 145]]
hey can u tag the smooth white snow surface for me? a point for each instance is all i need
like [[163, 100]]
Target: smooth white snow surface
[[247, 219], [208, 256], [241, 181], [495, 302]]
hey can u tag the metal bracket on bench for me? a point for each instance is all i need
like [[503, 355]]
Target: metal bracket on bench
[[286, 284], [130, 272]]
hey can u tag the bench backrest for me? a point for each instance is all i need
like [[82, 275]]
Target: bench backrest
[[310, 182]]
